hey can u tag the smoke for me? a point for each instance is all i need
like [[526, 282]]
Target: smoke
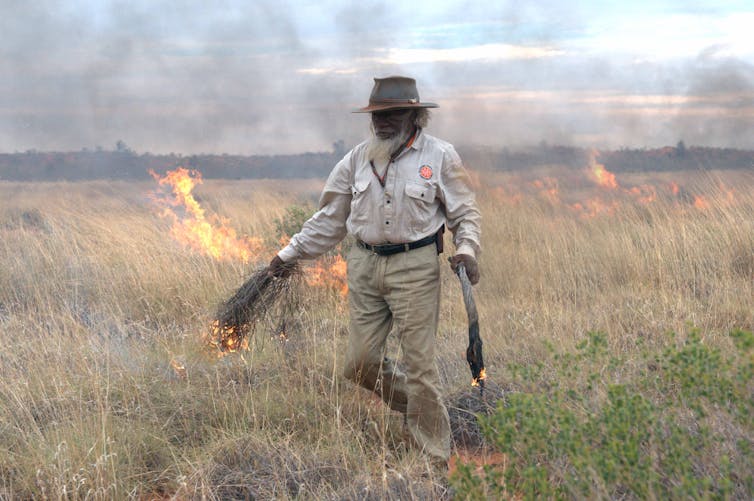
[[282, 77], [724, 114], [183, 80]]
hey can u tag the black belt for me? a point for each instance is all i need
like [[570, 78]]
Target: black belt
[[389, 249]]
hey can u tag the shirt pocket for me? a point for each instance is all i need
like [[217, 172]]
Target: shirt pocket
[[420, 205], [360, 209]]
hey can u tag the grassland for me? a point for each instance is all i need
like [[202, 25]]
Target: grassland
[[107, 391]]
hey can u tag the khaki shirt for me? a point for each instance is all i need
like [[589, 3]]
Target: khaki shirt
[[425, 187]]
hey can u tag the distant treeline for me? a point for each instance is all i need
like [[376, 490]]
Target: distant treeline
[[123, 163], [85, 165], [669, 158]]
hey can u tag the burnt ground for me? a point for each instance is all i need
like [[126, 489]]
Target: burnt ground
[[464, 407]]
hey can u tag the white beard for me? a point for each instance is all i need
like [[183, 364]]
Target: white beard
[[380, 150]]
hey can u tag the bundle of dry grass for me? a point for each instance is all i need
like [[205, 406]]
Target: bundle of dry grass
[[237, 316]]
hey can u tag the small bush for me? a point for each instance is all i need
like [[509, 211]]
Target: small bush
[[678, 426], [292, 222]]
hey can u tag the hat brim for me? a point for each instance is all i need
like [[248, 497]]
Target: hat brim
[[394, 106]]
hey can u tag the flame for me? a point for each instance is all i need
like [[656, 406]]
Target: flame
[[483, 463], [179, 368], [548, 189], [500, 194], [644, 194], [594, 206], [209, 235], [482, 377], [599, 174], [700, 202], [329, 273], [561, 191], [226, 340], [729, 193]]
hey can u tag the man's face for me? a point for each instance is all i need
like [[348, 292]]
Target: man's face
[[387, 124]]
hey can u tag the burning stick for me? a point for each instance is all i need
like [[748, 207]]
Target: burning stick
[[474, 350], [236, 316]]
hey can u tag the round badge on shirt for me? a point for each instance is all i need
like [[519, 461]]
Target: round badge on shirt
[[425, 172]]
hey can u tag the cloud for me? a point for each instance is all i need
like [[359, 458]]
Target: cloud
[[396, 56], [485, 52]]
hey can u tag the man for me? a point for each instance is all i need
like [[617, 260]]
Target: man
[[395, 193]]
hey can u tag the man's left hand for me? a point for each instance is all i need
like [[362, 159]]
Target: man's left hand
[[472, 268]]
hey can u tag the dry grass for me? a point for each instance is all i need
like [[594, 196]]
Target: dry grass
[[96, 302]]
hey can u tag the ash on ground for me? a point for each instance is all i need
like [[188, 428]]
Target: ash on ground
[[463, 409]]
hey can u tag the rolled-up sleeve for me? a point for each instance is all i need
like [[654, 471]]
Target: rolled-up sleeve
[[461, 211], [327, 226]]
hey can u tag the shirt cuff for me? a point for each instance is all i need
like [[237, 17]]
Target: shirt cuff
[[289, 253], [465, 249]]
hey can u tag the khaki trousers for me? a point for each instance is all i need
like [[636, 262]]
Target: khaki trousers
[[401, 290]]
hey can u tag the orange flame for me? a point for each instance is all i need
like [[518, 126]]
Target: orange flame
[[209, 235], [561, 192], [500, 194], [599, 174], [482, 376], [483, 463], [226, 340], [729, 193], [548, 189], [644, 194], [212, 236], [329, 273], [700, 202], [179, 368], [594, 206]]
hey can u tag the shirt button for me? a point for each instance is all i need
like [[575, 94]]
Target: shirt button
[[387, 222], [388, 201]]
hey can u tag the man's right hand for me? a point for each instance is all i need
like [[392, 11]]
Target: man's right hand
[[472, 268], [278, 268]]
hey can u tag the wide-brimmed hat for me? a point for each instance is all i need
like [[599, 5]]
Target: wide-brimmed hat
[[394, 93]]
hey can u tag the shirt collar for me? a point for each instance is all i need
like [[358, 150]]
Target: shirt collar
[[419, 141], [416, 144]]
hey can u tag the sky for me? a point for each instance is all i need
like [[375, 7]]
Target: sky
[[282, 76]]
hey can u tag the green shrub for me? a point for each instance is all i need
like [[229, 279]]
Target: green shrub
[[591, 425], [291, 223]]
